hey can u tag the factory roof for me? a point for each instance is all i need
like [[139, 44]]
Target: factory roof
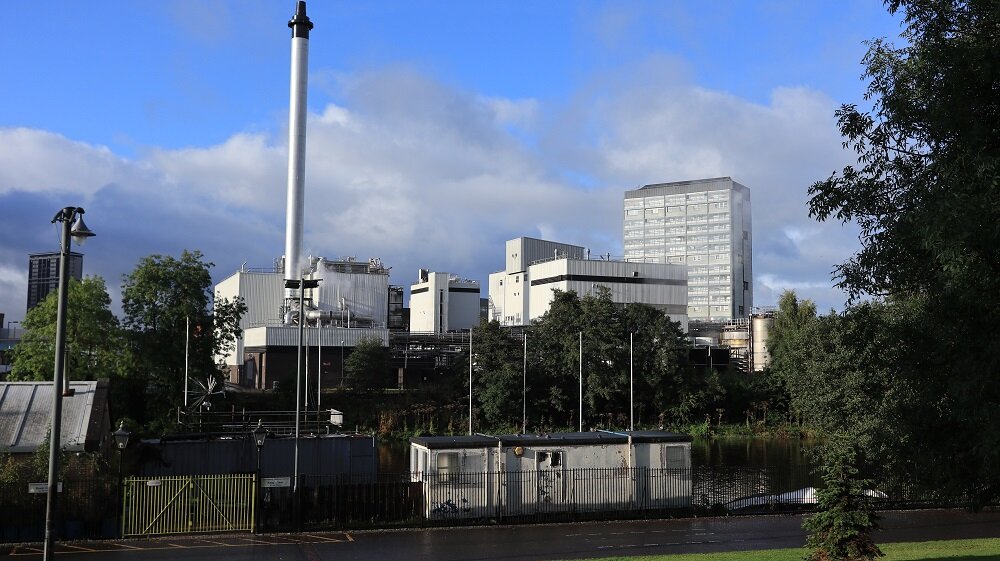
[[26, 416]]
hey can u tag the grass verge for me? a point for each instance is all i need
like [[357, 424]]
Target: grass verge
[[955, 550]]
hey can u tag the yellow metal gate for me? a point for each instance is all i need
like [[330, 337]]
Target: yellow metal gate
[[188, 504]]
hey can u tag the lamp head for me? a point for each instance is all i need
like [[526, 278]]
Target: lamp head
[[259, 434], [121, 436], [79, 231]]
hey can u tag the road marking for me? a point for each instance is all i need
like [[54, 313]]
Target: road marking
[[194, 543], [80, 547]]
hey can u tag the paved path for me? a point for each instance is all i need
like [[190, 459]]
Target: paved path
[[528, 542]]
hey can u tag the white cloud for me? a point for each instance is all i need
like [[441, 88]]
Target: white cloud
[[42, 161], [423, 175]]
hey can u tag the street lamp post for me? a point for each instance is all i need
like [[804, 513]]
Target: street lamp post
[[301, 284], [470, 381], [121, 437], [341, 363], [71, 219], [631, 378], [259, 435], [524, 387]]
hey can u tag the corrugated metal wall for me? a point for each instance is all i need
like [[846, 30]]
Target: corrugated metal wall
[[355, 455]]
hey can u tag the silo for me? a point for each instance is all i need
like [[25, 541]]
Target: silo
[[760, 325]]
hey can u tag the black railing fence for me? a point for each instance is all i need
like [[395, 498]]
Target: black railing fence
[[90, 508], [85, 508]]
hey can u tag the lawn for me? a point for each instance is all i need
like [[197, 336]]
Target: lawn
[[956, 550]]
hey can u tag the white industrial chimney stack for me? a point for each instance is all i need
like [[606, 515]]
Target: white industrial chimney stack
[[301, 26]]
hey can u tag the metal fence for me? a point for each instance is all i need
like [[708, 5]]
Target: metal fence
[[85, 508], [339, 502]]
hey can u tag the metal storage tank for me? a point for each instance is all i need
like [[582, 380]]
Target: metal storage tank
[[760, 326]]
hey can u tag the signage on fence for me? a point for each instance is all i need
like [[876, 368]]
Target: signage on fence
[[39, 488], [272, 482]]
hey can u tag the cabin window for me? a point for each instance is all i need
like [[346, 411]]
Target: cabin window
[[448, 466], [549, 459], [674, 457]]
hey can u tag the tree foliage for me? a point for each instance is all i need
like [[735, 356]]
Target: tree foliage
[[161, 298], [926, 195], [367, 365], [666, 388], [841, 530], [94, 345]]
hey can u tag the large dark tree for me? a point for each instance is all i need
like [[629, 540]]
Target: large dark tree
[[926, 196], [665, 387], [161, 298]]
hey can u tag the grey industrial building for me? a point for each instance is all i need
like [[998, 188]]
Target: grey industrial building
[[704, 224]]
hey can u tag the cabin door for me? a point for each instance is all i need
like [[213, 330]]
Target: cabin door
[[550, 485]]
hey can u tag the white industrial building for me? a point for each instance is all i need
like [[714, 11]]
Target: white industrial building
[[704, 224], [350, 303], [442, 302], [535, 268]]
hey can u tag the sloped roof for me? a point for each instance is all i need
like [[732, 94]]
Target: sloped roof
[[26, 414]]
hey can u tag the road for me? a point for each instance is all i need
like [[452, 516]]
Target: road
[[529, 542]]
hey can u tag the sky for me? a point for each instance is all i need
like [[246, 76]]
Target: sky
[[436, 130]]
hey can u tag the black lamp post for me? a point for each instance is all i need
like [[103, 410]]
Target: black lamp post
[[301, 284], [71, 219], [259, 436], [121, 441]]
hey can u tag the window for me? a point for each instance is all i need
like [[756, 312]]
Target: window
[[448, 466], [633, 203], [721, 205], [634, 212], [653, 201], [674, 457], [549, 459]]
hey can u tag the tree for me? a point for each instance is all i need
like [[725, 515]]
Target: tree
[[94, 346], [367, 365], [924, 194], [499, 366], [553, 362], [159, 299], [841, 530]]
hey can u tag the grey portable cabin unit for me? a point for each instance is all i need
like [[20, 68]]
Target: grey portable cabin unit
[[485, 476]]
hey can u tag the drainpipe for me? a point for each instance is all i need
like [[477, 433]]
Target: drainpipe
[[499, 459], [626, 435], [629, 457]]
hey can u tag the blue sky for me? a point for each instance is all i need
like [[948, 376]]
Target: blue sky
[[437, 129]]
